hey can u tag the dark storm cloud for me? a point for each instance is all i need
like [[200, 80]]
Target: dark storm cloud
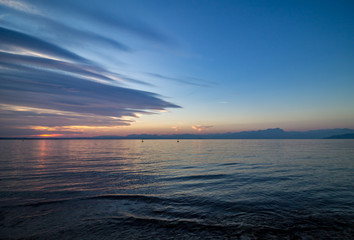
[[60, 32]]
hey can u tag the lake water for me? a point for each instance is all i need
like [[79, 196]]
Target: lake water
[[164, 189]]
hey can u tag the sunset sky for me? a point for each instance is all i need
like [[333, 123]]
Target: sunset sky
[[88, 68]]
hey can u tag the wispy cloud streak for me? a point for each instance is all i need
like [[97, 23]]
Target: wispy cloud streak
[[45, 89], [189, 81], [200, 128], [84, 70], [57, 31], [43, 84], [96, 16], [17, 41]]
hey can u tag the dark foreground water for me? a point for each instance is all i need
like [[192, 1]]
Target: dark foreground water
[[161, 189]]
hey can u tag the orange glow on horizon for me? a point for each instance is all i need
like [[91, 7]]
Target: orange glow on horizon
[[50, 135]]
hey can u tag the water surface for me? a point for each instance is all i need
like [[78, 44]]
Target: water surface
[[161, 189]]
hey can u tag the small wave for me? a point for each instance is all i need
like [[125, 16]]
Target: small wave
[[198, 177], [136, 197], [230, 164], [178, 223], [213, 230], [131, 197], [41, 203]]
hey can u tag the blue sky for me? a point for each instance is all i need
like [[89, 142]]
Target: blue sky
[[86, 68]]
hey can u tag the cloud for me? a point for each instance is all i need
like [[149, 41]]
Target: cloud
[[88, 71], [100, 18], [24, 121], [25, 132], [59, 32], [17, 41], [13, 116], [176, 128], [200, 128], [42, 84], [54, 90], [48, 83], [18, 5], [189, 81]]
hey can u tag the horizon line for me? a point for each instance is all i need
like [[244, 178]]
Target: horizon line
[[270, 133]]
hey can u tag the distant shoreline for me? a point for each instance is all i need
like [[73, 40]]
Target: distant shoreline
[[34, 139], [272, 133]]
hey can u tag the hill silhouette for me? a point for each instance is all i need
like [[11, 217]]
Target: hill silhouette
[[342, 136], [271, 133]]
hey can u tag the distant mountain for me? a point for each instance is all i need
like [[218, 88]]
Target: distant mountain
[[342, 136], [272, 133], [325, 133]]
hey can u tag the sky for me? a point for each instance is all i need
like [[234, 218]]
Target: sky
[[90, 68]]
